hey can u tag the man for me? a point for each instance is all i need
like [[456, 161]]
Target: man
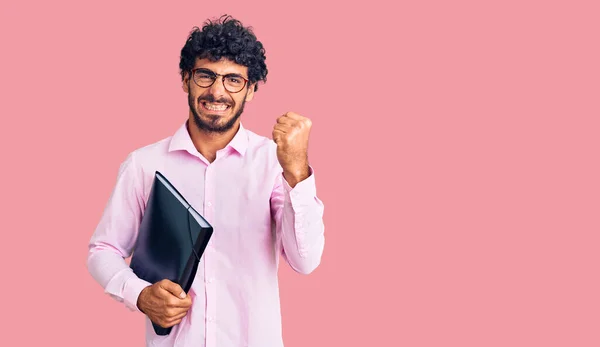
[[258, 194]]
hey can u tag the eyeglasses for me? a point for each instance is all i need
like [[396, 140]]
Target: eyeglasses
[[205, 78]]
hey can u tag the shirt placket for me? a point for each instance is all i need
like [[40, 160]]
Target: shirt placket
[[209, 268]]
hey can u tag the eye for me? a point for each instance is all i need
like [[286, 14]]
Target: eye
[[204, 75], [234, 80]]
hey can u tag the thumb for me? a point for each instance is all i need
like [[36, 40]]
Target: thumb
[[173, 288]]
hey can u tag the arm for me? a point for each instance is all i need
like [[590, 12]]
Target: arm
[[297, 211], [298, 216], [115, 236]]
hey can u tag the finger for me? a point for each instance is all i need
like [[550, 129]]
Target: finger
[[170, 324], [167, 323], [173, 288], [278, 135], [286, 120], [285, 128], [178, 317], [297, 120], [187, 302], [181, 303], [294, 116], [279, 131], [174, 302], [172, 312]]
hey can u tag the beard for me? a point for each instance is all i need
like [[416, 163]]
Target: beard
[[213, 126]]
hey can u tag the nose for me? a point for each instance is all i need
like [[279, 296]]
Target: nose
[[218, 89]]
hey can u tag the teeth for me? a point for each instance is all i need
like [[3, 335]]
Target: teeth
[[215, 107]]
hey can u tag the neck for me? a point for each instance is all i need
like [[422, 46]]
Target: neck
[[208, 143]]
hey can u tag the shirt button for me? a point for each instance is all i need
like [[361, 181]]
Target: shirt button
[[208, 204], [210, 319], [210, 280]]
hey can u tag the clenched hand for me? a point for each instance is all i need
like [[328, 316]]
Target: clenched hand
[[291, 134], [164, 303]]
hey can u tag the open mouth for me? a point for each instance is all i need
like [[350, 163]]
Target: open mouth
[[214, 106]]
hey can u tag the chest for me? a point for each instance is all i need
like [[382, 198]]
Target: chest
[[232, 195]]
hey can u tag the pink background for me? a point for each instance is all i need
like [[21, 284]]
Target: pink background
[[456, 147]]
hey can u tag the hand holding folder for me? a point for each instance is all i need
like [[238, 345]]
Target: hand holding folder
[[171, 240], [165, 303]]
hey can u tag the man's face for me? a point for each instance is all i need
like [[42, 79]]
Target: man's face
[[214, 108]]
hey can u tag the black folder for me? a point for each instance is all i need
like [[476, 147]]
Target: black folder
[[171, 240]]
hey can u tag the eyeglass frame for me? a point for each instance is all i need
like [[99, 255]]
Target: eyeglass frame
[[222, 79]]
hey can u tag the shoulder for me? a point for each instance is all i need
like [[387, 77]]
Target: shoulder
[[262, 148], [138, 167], [144, 159], [152, 151]]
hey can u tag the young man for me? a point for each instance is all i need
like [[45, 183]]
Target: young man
[[258, 194]]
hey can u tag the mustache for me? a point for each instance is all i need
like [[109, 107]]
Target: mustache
[[211, 98]]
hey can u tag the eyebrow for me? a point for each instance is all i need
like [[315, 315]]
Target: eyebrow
[[234, 75], [202, 69]]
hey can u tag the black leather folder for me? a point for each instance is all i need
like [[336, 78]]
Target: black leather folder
[[171, 240]]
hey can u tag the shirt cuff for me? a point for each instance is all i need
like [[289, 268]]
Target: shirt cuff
[[131, 292], [303, 190]]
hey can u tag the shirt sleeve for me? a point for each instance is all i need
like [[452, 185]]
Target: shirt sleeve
[[115, 235], [298, 216]]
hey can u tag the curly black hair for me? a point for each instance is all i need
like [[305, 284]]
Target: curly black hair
[[225, 38]]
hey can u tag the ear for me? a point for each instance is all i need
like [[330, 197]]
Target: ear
[[185, 82], [250, 92]]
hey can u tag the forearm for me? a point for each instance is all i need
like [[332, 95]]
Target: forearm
[[117, 279], [301, 226]]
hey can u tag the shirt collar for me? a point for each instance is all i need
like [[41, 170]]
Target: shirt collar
[[181, 140]]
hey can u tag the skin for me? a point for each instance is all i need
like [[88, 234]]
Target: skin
[[208, 142], [164, 302]]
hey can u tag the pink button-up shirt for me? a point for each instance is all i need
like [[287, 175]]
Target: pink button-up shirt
[[256, 217]]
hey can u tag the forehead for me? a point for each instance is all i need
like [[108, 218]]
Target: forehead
[[223, 66]]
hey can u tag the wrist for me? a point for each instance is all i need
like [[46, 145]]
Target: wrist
[[141, 299], [295, 175]]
